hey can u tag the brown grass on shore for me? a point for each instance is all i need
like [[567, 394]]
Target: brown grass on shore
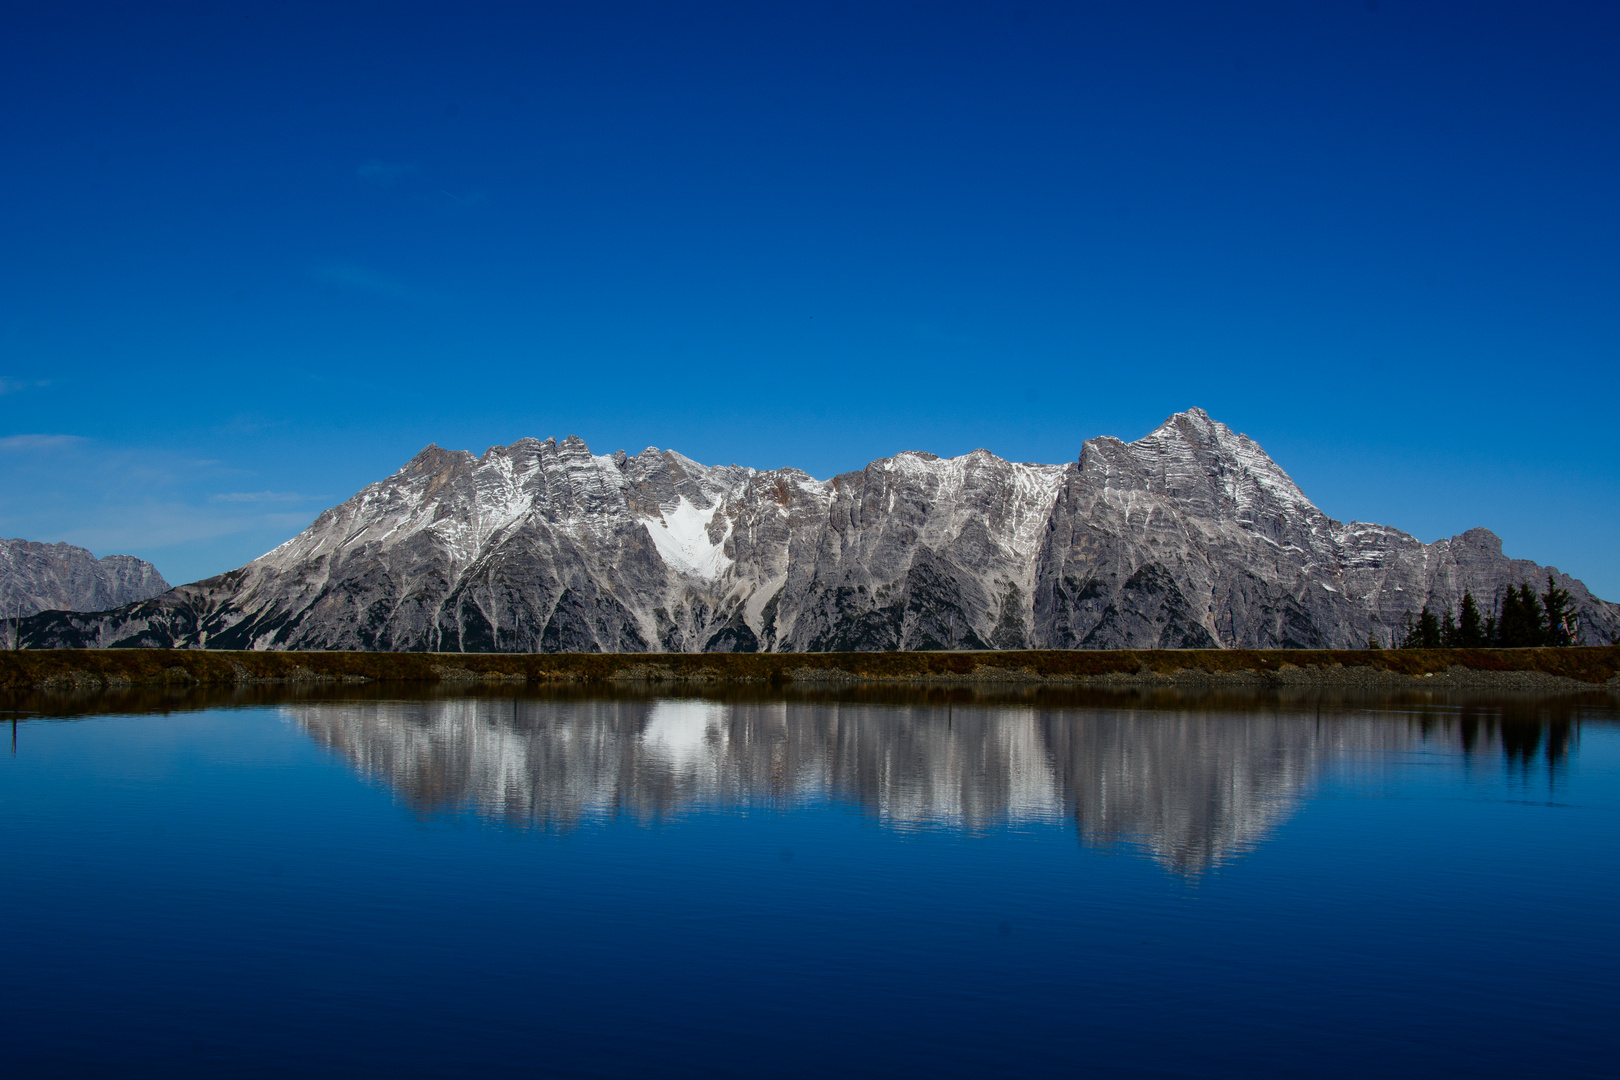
[[28, 669]]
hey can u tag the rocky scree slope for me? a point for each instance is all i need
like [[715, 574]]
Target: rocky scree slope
[[1190, 537], [37, 577]]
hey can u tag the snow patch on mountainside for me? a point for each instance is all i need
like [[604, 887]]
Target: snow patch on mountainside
[[682, 540], [1036, 490]]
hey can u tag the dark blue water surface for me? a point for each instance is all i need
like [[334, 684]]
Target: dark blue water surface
[[938, 885]]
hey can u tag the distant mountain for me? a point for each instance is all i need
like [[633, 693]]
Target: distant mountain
[[1188, 537], [37, 577]]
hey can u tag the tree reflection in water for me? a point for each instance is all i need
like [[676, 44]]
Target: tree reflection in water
[[1190, 785]]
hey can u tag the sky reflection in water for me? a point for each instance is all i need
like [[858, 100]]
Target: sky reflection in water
[[859, 884]]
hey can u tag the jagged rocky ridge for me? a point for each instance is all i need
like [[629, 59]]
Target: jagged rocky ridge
[[1190, 537], [37, 577]]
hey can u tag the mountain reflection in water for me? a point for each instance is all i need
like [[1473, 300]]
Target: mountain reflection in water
[[1191, 788]]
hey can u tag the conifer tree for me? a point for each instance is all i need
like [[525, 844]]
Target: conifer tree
[[1509, 627], [1520, 624], [1372, 642], [1530, 604], [1448, 631], [1470, 634], [1428, 629], [1560, 619]]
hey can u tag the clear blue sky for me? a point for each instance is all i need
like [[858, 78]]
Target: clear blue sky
[[255, 256]]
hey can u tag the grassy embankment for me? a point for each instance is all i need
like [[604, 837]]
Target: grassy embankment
[[87, 668]]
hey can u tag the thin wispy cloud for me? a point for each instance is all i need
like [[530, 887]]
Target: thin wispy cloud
[[383, 173], [159, 525], [260, 497], [11, 385], [145, 501], [356, 278], [39, 442], [472, 198]]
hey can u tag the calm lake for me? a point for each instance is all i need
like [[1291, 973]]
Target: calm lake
[[277, 883]]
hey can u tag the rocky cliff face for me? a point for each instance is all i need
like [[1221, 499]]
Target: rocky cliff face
[[38, 577], [1188, 537]]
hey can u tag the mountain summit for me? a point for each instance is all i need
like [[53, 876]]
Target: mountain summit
[[1188, 537]]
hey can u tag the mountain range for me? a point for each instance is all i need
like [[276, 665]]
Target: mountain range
[[37, 577], [1190, 537]]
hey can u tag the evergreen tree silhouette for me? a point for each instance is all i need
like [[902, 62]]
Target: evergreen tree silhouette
[[1448, 631], [1559, 628], [1520, 626], [1470, 634], [1509, 625], [1530, 604], [1427, 630]]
